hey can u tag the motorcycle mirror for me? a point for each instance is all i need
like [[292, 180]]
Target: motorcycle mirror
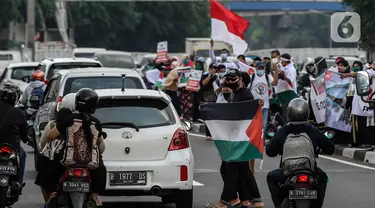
[[104, 135], [187, 125], [363, 83], [26, 79]]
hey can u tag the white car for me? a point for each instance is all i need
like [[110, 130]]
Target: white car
[[16, 71], [147, 148], [86, 52], [52, 65], [70, 81]]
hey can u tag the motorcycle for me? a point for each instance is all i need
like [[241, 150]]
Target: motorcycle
[[300, 190], [10, 188], [35, 104], [74, 188]]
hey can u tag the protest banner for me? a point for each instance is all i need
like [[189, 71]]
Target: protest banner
[[318, 98], [337, 116], [194, 80], [183, 76], [162, 52]]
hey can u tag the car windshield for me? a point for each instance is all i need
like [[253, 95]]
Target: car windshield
[[143, 113], [117, 61], [84, 55], [74, 84], [65, 66], [19, 72]]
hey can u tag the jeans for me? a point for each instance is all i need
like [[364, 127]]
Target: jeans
[[265, 118], [276, 178], [237, 177], [22, 155]]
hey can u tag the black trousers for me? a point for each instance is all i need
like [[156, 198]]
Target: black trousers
[[276, 178], [237, 177], [175, 100], [363, 134]]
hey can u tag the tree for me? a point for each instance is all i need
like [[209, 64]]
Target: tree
[[138, 26], [9, 11], [365, 8]]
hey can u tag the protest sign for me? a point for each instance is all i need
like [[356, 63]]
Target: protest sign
[[162, 52], [318, 98], [183, 76], [337, 116], [194, 80]]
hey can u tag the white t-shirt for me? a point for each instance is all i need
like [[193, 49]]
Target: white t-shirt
[[220, 98], [291, 73], [260, 88]]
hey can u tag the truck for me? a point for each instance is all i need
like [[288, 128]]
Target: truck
[[200, 47]]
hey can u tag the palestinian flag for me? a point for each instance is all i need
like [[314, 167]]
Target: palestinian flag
[[236, 129], [284, 92]]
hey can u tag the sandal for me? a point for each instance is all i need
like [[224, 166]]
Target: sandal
[[210, 205]]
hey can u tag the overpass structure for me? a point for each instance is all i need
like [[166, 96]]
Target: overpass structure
[[272, 7]]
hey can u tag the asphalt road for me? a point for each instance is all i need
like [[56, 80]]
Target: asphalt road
[[349, 186]]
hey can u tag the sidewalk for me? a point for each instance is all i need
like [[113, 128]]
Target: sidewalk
[[199, 128], [359, 154]]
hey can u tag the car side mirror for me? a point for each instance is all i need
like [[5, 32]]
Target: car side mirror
[[363, 83], [26, 79]]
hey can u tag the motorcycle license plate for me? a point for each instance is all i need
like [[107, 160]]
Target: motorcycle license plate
[[73, 186], [8, 170], [303, 194]]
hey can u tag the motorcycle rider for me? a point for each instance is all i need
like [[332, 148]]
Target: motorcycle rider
[[86, 102], [13, 124], [298, 111], [36, 87]]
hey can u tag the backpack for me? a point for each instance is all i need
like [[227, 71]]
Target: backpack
[[77, 151], [38, 92], [298, 154]]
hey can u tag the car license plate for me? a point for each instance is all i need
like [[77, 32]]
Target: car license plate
[[124, 178], [75, 186], [303, 194], [11, 170]]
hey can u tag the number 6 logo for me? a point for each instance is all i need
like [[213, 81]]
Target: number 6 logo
[[345, 27]]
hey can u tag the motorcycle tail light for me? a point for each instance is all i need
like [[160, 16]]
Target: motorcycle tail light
[[78, 172], [6, 150], [303, 179]]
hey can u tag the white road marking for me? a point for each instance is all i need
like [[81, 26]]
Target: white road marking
[[320, 156], [197, 184], [197, 135], [346, 162]]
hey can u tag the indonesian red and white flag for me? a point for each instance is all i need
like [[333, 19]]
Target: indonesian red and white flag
[[227, 26]]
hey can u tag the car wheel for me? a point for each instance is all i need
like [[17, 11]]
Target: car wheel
[[167, 199], [184, 199]]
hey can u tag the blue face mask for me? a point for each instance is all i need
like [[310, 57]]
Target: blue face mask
[[221, 74], [260, 72], [224, 56], [186, 61]]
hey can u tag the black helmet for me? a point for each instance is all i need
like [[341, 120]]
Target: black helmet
[[10, 85], [86, 100], [8, 95], [298, 110]]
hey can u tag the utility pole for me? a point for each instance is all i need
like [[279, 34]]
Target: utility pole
[[31, 27]]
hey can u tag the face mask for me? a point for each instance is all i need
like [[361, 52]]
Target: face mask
[[224, 56], [260, 72], [227, 95], [356, 69], [275, 60], [232, 86], [174, 64], [221, 75], [186, 61]]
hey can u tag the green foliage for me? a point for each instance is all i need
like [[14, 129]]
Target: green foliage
[[9, 11], [365, 8], [138, 26]]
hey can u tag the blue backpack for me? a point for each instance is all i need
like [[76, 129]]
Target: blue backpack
[[39, 92]]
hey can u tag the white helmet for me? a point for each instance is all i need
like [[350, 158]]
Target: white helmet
[[69, 101]]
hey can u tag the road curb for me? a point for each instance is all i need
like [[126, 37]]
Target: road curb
[[199, 128], [360, 154]]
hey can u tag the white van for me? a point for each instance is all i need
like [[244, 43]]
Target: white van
[[86, 52], [8, 57]]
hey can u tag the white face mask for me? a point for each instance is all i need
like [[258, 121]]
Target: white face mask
[[174, 64], [275, 60], [221, 75], [223, 56]]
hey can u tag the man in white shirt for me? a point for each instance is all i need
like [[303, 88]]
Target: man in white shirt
[[224, 55], [261, 88]]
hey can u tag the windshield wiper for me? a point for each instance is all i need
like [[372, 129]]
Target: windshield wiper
[[125, 124]]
